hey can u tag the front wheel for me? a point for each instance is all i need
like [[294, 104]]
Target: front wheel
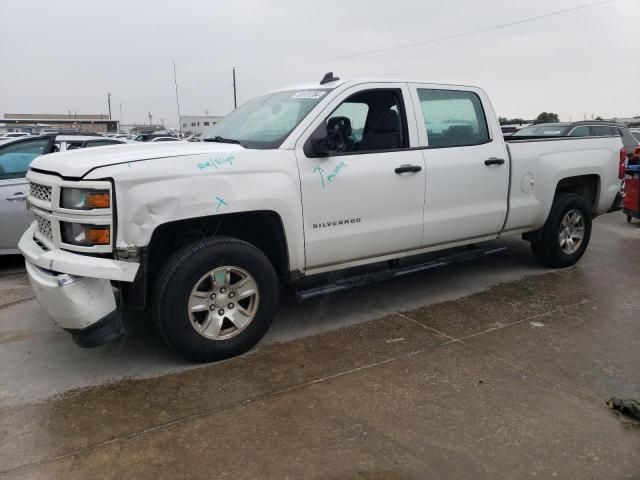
[[564, 237], [215, 299]]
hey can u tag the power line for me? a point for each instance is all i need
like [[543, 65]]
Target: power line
[[433, 40]]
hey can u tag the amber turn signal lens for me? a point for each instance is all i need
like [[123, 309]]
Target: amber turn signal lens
[[98, 200], [99, 235]]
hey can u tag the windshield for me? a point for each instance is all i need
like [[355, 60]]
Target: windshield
[[541, 131], [266, 121]]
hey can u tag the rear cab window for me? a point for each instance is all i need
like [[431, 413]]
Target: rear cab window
[[453, 118]]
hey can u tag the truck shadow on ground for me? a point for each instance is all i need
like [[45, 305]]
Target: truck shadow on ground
[[301, 319]]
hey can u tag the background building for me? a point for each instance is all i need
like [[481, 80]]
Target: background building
[[197, 123], [36, 122]]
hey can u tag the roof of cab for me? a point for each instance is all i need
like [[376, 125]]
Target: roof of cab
[[355, 81]]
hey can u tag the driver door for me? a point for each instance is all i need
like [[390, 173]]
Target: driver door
[[366, 201]]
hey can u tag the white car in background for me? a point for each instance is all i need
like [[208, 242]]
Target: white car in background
[[127, 137], [10, 135], [72, 142], [165, 139]]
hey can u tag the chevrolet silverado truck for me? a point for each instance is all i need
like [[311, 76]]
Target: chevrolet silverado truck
[[201, 237]]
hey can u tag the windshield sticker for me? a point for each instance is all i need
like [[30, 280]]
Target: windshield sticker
[[217, 163], [308, 94]]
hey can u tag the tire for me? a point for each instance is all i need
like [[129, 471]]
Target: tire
[[547, 245], [185, 285]]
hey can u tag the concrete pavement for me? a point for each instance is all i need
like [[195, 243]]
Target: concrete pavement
[[494, 369]]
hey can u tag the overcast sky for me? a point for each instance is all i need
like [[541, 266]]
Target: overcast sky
[[63, 55]]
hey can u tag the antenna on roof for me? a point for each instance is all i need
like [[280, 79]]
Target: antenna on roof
[[328, 78]]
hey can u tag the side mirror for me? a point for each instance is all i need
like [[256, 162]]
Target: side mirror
[[329, 138]]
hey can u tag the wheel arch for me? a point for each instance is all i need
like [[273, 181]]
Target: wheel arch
[[585, 186], [263, 229]]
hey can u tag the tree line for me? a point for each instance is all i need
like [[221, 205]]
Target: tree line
[[544, 117]]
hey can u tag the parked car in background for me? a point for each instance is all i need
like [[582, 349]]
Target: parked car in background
[[196, 137], [126, 137], [592, 128], [165, 139], [146, 137], [15, 156], [511, 129], [7, 135], [635, 132], [72, 142]]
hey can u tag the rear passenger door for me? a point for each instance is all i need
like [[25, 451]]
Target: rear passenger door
[[467, 169]]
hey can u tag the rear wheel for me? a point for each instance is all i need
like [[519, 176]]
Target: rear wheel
[[564, 237], [215, 299]]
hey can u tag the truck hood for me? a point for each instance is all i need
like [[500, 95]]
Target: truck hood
[[77, 163]]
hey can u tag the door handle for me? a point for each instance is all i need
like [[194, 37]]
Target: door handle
[[494, 161], [408, 169], [17, 196]]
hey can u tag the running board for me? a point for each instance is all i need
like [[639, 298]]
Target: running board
[[368, 278]]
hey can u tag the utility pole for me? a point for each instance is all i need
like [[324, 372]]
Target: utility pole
[[175, 80], [235, 101], [109, 102], [150, 117], [120, 117]]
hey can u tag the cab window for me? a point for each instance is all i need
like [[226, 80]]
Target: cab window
[[372, 121], [453, 118]]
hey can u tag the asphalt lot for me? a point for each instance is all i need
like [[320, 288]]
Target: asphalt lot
[[496, 368]]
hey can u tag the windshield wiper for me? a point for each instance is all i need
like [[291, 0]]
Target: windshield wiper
[[220, 139]]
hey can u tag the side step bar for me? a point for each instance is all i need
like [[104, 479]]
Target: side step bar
[[349, 283]]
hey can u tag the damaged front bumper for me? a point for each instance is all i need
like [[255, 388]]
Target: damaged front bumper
[[76, 290]]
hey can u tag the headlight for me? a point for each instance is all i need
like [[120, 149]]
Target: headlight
[[85, 235], [84, 199]]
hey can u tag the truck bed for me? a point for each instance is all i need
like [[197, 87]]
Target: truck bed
[[538, 164]]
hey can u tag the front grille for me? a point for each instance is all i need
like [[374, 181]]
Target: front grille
[[44, 227], [41, 192]]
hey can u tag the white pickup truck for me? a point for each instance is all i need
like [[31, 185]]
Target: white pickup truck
[[298, 182]]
